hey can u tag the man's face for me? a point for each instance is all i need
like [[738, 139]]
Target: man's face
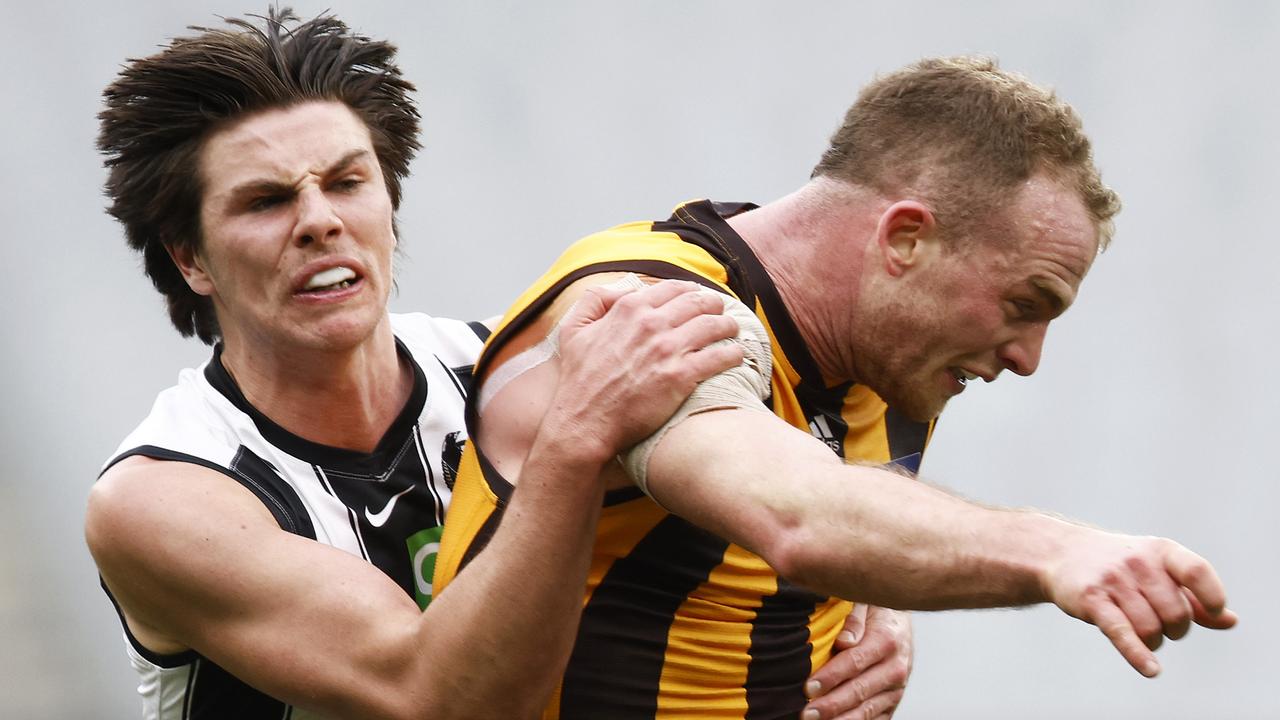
[[975, 311], [297, 233]]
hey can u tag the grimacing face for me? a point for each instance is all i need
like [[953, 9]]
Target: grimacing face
[[978, 310], [297, 240]]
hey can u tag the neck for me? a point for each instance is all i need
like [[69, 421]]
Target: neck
[[812, 243], [344, 398]]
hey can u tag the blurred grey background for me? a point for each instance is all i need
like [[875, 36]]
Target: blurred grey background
[[1153, 411]]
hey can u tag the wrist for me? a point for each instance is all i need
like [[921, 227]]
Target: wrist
[[573, 442], [1045, 541]]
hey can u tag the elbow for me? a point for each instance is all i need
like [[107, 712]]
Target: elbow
[[794, 554]]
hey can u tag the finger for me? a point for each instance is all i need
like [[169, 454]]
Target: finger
[[688, 306], [708, 362], [699, 332], [1197, 575], [1222, 621], [664, 291], [594, 303], [1142, 618], [854, 626], [1165, 598], [1115, 625], [880, 706], [880, 678], [847, 667]]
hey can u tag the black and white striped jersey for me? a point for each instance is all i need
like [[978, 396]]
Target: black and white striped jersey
[[386, 506]]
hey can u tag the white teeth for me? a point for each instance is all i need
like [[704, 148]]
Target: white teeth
[[964, 376], [332, 276]]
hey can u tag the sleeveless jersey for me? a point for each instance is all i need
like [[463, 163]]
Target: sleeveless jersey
[[386, 506], [678, 622]]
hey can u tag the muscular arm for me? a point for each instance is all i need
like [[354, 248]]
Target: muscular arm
[[868, 534], [197, 562]]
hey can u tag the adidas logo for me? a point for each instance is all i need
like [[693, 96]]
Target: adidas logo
[[819, 428]]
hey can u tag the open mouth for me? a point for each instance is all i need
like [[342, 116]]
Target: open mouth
[[963, 376], [335, 278]]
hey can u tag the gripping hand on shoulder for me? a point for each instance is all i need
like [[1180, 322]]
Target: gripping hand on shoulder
[[629, 358]]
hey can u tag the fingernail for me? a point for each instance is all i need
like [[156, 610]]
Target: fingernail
[[1151, 668], [809, 714], [847, 638], [811, 690]]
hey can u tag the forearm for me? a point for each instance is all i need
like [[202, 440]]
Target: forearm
[[877, 537], [503, 630], [862, 533]]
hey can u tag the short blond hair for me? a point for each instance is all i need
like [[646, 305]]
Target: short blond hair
[[964, 134]]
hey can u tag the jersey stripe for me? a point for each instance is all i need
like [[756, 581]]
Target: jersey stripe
[[436, 497], [625, 647], [780, 652]]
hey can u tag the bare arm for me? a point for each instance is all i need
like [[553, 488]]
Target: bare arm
[[197, 562], [868, 534]]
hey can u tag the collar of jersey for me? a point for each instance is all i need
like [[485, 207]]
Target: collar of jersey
[[372, 464]]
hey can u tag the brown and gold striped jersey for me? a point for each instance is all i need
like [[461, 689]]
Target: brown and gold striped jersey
[[678, 622]]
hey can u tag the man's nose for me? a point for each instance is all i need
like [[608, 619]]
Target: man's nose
[[317, 218], [1022, 353]]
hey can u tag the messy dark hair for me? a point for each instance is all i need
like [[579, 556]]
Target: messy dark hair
[[160, 111], [964, 134]]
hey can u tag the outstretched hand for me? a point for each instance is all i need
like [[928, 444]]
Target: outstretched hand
[[1138, 591]]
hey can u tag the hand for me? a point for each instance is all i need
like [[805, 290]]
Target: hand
[[1138, 591], [867, 675], [629, 358]]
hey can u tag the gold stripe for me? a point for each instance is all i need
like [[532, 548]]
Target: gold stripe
[[708, 646]]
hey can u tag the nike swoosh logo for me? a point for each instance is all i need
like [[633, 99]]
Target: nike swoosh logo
[[379, 518]]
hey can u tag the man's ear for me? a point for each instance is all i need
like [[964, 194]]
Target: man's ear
[[191, 265], [905, 236]]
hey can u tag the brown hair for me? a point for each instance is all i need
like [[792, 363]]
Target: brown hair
[[161, 109], [964, 133]]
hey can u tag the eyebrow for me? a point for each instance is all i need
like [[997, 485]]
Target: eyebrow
[[266, 186], [1051, 296]]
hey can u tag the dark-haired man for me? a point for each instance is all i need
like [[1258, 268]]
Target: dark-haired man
[[268, 532], [952, 218]]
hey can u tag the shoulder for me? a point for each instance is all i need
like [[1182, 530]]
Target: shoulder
[[140, 500], [455, 342], [190, 418]]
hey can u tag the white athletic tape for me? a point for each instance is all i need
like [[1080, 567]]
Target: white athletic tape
[[543, 351], [743, 386]]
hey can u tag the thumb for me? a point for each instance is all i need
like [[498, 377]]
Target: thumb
[[593, 305], [854, 627]]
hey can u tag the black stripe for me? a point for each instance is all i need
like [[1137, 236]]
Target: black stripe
[[186, 657], [707, 217], [351, 515], [350, 461], [780, 653], [189, 693], [481, 539], [906, 436], [617, 496], [617, 661], [453, 376], [216, 694], [502, 489], [436, 498], [480, 329], [253, 473]]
